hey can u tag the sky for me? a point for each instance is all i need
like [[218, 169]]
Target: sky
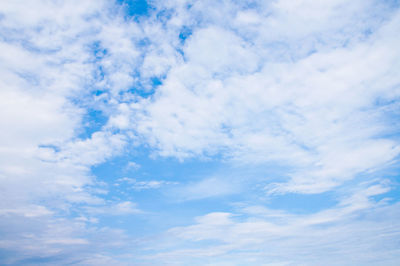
[[182, 132]]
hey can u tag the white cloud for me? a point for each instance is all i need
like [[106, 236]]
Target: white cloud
[[216, 50], [47, 76], [206, 188], [141, 185], [316, 113], [132, 165], [120, 208], [306, 85], [255, 235], [28, 211]]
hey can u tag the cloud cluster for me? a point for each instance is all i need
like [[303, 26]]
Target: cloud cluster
[[49, 73], [315, 98]]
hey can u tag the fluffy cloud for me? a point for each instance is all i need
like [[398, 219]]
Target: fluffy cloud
[[48, 71], [319, 110]]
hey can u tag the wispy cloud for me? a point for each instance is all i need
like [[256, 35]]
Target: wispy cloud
[[255, 234], [206, 188], [140, 185]]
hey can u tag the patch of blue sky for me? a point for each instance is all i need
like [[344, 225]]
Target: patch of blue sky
[[247, 4], [98, 50], [168, 169], [37, 260], [392, 196], [95, 118], [185, 33], [392, 4], [393, 175], [167, 207], [152, 166], [143, 43], [145, 87], [160, 214], [388, 105], [165, 203], [85, 99], [135, 8], [387, 177], [156, 81], [98, 53], [164, 15], [31, 78], [92, 122], [303, 203]]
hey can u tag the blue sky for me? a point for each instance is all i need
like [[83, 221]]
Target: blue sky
[[186, 132]]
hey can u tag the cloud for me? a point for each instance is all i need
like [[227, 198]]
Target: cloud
[[206, 188], [256, 234], [48, 76], [29, 211], [120, 208], [307, 92], [142, 185], [316, 112], [132, 165]]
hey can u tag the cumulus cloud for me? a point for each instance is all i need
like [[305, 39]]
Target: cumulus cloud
[[47, 77], [316, 109]]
